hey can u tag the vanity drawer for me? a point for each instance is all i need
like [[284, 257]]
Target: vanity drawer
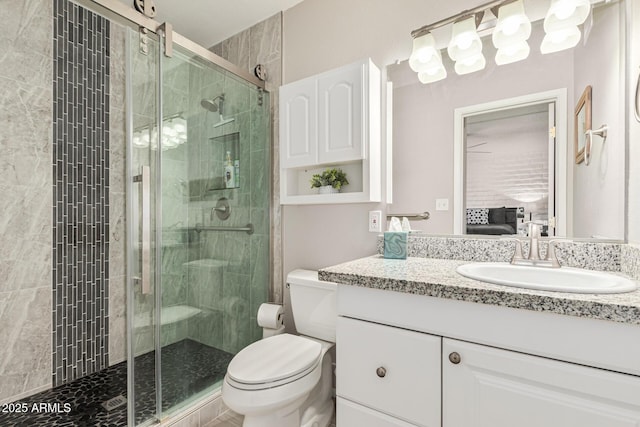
[[351, 414], [392, 370]]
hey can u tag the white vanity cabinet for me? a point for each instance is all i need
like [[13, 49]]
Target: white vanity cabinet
[[489, 387], [460, 364], [331, 120], [376, 364]]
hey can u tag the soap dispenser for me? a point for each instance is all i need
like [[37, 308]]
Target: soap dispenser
[[229, 172]]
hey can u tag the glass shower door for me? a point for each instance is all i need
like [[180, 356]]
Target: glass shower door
[[202, 136], [214, 195], [142, 309]]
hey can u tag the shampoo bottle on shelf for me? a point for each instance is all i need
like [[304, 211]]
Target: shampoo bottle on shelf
[[229, 172], [236, 166]]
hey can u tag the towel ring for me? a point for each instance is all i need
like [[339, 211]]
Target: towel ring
[[636, 109], [601, 132]]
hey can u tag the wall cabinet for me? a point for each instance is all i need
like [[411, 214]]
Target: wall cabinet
[[331, 120], [433, 380]]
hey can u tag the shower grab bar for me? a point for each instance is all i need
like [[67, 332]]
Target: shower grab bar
[[145, 273], [247, 229], [414, 217]]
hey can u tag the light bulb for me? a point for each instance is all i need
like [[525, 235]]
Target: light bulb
[[464, 40], [511, 25], [565, 9]]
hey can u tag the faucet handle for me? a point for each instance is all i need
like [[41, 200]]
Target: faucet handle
[[551, 253], [517, 253]]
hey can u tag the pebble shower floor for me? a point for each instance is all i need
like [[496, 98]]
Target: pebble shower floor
[[188, 367]]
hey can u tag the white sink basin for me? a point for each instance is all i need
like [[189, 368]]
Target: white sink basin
[[564, 279]]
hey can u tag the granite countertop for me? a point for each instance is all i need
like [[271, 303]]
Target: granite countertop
[[438, 278]]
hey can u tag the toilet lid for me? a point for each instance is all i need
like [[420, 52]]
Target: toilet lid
[[274, 359]]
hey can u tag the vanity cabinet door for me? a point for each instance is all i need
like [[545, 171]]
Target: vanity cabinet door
[[392, 370], [489, 387], [349, 414], [298, 124]]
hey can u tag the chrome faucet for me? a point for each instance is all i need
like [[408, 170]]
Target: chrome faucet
[[534, 258]]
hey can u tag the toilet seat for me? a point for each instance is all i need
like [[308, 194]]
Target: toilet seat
[[274, 361]]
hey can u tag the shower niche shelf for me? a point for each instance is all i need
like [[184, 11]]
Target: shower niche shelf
[[209, 174]]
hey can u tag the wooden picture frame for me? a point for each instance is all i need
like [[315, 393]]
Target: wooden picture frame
[[581, 124]]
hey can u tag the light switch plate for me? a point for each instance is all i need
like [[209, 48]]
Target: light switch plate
[[442, 204], [375, 221]]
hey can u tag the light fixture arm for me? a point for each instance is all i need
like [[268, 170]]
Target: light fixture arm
[[465, 13]]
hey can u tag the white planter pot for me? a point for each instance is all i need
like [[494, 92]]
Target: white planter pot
[[327, 189]]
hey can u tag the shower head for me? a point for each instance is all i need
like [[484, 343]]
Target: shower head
[[211, 105]]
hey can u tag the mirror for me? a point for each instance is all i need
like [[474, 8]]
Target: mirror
[[450, 136]]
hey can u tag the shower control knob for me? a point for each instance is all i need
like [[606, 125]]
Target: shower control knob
[[381, 372], [454, 358], [261, 72]]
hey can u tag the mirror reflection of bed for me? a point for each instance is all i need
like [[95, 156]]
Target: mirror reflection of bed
[[495, 221], [509, 166]]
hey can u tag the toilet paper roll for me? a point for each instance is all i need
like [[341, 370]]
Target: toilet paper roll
[[270, 316]]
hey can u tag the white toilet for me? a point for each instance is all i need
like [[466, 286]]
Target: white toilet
[[286, 380]]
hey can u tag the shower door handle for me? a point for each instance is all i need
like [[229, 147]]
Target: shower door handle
[[145, 273]]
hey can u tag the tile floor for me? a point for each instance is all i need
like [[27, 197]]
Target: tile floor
[[231, 419]]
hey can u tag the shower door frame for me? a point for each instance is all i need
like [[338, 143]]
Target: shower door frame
[[116, 7]]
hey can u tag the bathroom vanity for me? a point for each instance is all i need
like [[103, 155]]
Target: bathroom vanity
[[420, 345]]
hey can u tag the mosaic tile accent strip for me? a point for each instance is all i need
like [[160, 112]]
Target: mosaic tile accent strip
[[188, 368], [589, 255], [80, 192]]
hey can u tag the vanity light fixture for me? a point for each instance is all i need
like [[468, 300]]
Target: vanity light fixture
[[424, 56], [561, 24], [465, 40], [566, 13], [511, 33], [509, 36], [558, 40], [433, 73]]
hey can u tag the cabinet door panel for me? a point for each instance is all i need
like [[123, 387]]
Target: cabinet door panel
[[298, 125], [410, 385], [350, 414], [341, 115], [499, 388]]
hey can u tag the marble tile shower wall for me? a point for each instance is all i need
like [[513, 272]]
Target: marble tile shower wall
[[227, 276], [25, 190], [117, 200], [262, 44], [175, 200], [81, 95]]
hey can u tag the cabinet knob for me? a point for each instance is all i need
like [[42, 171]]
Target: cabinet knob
[[381, 372], [454, 358]]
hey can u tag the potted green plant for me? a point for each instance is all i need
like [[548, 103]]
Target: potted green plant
[[330, 181]]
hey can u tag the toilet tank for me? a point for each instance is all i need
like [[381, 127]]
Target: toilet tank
[[313, 303]]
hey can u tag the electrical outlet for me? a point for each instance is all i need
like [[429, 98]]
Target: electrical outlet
[[442, 204], [375, 221]]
